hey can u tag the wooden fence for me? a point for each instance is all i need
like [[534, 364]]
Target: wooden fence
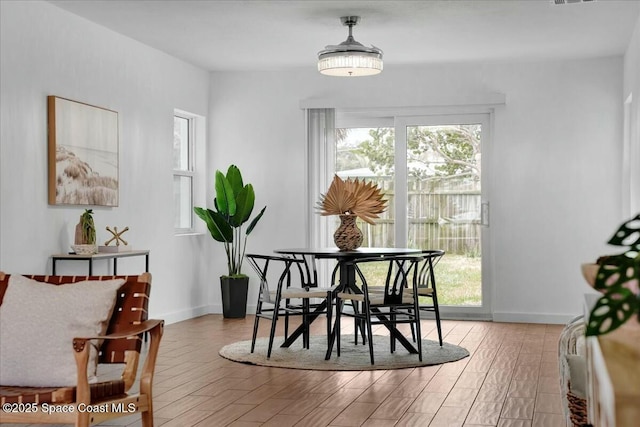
[[443, 214]]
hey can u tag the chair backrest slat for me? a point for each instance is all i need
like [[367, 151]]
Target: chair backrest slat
[[426, 276], [400, 275], [261, 263], [307, 269]]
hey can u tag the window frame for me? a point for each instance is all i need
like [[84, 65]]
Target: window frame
[[399, 120], [190, 172]]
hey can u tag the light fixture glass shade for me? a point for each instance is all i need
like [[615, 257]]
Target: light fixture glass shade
[[350, 58], [349, 64]]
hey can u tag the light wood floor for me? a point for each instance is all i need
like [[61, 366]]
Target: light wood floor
[[511, 379]]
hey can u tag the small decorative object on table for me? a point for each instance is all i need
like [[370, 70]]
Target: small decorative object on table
[[349, 199], [618, 278], [84, 249], [85, 235], [117, 237]]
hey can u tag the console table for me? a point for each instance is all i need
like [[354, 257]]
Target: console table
[[613, 375], [99, 256]]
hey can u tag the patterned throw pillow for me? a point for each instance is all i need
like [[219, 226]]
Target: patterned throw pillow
[[38, 322]]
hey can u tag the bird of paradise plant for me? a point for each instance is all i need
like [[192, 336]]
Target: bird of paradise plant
[[233, 206]]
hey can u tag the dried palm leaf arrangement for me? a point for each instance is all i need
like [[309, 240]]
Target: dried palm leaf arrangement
[[350, 198]]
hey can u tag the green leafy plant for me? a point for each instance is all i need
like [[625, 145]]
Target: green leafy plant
[[233, 204], [618, 278], [88, 227]]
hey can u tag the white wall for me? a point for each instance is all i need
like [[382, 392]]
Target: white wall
[[555, 159], [556, 154], [47, 51], [631, 181]]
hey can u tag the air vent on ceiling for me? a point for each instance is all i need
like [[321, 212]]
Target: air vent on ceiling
[[572, 1]]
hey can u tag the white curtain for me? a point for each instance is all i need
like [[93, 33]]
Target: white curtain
[[320, 127]]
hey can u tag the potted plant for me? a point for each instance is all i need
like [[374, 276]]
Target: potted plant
[[349, 199], [618, 278], [233, 206], [85, 234]]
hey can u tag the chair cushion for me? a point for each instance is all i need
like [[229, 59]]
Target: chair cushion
[[38, 322]]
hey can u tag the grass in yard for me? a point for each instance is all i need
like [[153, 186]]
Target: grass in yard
[[458, 278]]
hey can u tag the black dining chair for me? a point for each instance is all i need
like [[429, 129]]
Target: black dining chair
[[390, 303], [290, 296], [427, 287]]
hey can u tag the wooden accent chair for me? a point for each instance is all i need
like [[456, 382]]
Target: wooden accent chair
[[121, 345]]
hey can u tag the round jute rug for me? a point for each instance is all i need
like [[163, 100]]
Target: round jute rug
[[352, 357]]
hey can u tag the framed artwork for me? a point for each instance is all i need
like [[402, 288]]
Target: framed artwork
[[83, 153]]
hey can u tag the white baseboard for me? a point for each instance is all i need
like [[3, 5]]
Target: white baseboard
[[179, 316], [458, 316], [217, 309], [505, 317], [547, 318]]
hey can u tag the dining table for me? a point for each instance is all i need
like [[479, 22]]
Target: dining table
[[347, 280]]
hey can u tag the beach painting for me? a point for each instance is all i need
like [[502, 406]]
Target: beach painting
[[83, 154]]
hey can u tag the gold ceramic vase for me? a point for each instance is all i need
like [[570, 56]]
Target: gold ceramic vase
[[347, 236]]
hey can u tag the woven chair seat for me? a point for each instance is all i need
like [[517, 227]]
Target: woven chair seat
[[421, 291], [99, 391], [424, 291], [375, 298], [304, 293]]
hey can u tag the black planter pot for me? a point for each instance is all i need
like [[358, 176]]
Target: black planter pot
[[234, 296]]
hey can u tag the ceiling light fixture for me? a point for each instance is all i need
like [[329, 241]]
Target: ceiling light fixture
[[350, 58]]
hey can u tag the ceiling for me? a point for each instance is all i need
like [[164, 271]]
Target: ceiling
[[259, 35]]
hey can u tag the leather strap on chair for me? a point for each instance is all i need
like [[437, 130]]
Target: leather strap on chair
[[131, 308], [99, 391]]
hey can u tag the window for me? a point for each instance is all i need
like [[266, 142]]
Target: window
[[183, 171]]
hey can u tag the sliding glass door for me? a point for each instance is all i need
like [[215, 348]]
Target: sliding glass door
[[430, 168]]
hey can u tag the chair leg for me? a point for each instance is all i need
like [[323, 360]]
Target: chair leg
[[329, 315], [82, 419], [367, 314], [437, 312], [255, 325], [413, 333], [418, 326], [305, 323], [357, 323], [286, 320], [147, 418], [274, 322], [419, 341], [392, 340], [339, 307]]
